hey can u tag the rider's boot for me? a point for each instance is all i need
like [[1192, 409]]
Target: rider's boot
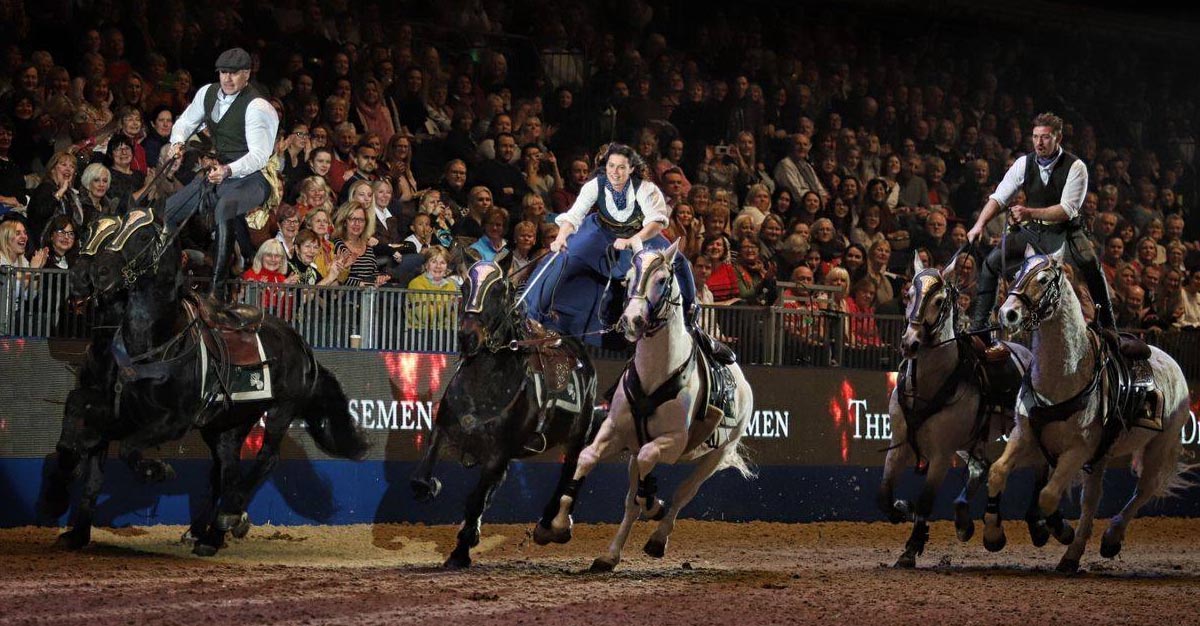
[[222, 248], [990, 350], [537, 442], [712, 348]]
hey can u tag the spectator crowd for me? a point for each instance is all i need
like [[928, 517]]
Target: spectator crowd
[[807, 153]]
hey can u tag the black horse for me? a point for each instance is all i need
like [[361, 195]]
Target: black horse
[[514, 395], [96, 376], [156, 353]]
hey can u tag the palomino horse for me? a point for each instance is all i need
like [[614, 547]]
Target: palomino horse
[[1066, 410], [946, 401], [663, 411], [507, 387]]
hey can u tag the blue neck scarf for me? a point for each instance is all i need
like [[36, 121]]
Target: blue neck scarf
[[619, 197], [1047, 161]]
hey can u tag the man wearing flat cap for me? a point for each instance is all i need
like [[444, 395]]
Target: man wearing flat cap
[[243, 126]]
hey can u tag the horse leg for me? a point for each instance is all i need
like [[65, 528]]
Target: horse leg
[[490, 478], [1050, 497], [608, 562], [656, 546], [424, 486], [600, 448], [939, 463], [59, 471], [80, 534], [1160, 464], [1019, 448], [277, 422], [544, 531], [1089, 502], [225, 447], [205, 517], [664, 449], [964, 526], [899, 456], [148, 471]]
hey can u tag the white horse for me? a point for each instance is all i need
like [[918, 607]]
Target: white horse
[[666, 385], [1063, 403], [944, 404]]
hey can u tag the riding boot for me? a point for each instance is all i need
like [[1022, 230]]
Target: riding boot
[[715, 350], [984, 343], [537, 442], [222, 248]]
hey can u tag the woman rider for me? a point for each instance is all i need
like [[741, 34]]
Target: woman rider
[[630, 214]]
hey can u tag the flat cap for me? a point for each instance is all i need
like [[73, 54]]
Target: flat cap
[[233, 59]]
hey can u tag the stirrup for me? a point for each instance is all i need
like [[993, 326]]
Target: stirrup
[[532, 445]]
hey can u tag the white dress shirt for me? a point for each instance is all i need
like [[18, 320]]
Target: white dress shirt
[[262, 123], [1073, 191], [649, 198]]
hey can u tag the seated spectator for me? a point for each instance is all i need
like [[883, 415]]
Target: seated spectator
[[310, 248], [320, 222], [1189, 297], [868, 230], [453, 186], [755, 279], [861, 309], [289, 226], [161, 121], [492, 241], [807, 324], [770, 237], [352, 229], [702, 267], [540, 170], [430, 311], [61, 241], [521, 251], [533, 209], [564, 197], [854, 258], [827, 241], [96, 200], [314, 193], [271, 266], [56, 194], [1133, 314], [723, 282], [127, 185], [422, 232], [876, 268]]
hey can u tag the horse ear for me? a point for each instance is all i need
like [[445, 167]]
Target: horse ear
[[1029, 251], [918, 266], [672, 251], [950, 268], [1058, 255]]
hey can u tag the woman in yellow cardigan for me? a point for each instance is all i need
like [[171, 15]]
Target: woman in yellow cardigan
[[432, 311]]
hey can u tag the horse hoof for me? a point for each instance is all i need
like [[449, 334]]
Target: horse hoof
[[242, 528], [426, 491], [995, 545], [655, 548], [602, 566], [74, 540], [966, 531], [457, 561], [1110, 549], [1038, 533], [1065, 536], [228, 521], [1068, 566], [906, 561], [204, 549], [545, 536], [189, 537]]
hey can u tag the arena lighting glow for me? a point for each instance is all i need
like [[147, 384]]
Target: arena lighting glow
[[839, 405], [254, 440], [404, 371]]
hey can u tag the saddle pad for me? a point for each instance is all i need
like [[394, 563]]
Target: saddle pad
[[563, 391], [246, 382], [720, 396]]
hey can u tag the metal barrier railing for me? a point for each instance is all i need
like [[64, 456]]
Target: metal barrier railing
[[33, 304]]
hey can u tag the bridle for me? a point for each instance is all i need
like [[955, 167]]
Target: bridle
[[926, 284], [645, 265], [1048, 302], [482, 278]]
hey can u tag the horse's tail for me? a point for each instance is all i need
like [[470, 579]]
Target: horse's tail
[[327, 416]]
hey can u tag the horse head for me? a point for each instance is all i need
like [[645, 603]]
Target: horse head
[[650, 288], [80, 274], [931, 307], [487, 318], [1036, 292], [135, 251]]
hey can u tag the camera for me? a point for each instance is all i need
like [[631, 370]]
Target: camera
[[721, 150]]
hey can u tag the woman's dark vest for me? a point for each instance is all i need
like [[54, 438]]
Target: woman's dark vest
[[630, 226], [229, 134], [1039, 194]]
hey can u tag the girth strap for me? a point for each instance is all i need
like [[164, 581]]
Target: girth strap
[[642, 405]]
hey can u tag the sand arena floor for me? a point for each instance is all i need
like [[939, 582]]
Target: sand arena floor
[[713, 573]]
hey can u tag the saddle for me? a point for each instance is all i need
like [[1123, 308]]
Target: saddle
[[552, 361], [1132, 395], [232, 335], [712, 426]]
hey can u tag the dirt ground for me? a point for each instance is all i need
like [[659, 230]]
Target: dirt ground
[[713, 573]]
